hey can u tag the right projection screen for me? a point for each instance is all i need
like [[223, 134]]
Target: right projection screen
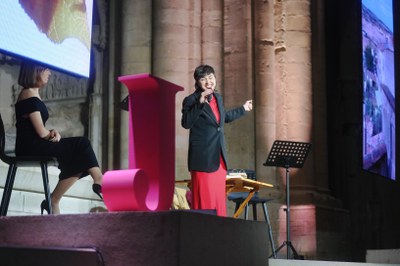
[[379, 121]]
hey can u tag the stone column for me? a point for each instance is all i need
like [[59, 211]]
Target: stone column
[[238, 81], [313, 209], [293, 72], [136, 50], [211, 37], [176, 52], [300, 114], [264, 91], [320, 147]]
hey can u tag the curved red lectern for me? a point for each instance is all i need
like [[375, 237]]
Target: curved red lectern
[[148, 184]]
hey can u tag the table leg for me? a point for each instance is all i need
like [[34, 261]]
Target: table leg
[[244, 203]]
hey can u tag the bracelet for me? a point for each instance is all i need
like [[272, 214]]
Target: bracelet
[[48, 135]]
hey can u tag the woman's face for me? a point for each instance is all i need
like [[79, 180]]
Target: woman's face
[[44, 77], [208, 82]]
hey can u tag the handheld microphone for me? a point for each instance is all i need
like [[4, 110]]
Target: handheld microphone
[[209, 97]]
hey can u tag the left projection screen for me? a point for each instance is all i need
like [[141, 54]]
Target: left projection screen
[[55, 33]]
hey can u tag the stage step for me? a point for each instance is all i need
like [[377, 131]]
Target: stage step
[[281, 262], [390, 256]]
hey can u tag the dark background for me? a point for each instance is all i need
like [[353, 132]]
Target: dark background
[[373, 200]]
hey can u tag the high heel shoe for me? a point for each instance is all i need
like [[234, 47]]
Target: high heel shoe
[[97, 189], [44, 206]]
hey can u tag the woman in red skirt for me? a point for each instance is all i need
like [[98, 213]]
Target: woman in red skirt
[[204, 115]]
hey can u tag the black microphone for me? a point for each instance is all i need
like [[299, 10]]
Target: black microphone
[[209, 97]]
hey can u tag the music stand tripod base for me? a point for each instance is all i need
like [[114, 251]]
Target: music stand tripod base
[[288, 154]]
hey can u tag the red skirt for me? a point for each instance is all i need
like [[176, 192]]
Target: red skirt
[[208, 190]]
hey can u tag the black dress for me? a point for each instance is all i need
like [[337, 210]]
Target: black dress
[[75, 155]]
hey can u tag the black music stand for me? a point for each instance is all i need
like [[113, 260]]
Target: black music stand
[[287, 154]]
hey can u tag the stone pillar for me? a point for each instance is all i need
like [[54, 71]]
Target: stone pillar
[[300, 114], [293, 72], [264, 91], [320, 148], [98, 109], [176, 40], [293, 94], [313, 209], [211, 37], [136, 57], [238, 81], [176, 52]]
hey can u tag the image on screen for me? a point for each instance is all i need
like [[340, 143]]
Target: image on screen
[[56, 33], [379, 127]]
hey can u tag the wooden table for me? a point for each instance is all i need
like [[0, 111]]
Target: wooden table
[[238, 184]]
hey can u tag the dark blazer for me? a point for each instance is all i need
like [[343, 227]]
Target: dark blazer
[[206, 136]]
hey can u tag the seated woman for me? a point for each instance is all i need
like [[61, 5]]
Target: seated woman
[[75, 155]]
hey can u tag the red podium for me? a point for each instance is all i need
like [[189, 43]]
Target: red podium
[[148, 184]]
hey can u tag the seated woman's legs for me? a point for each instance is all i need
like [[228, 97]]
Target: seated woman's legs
[[64, 184], [97, 176], [62, 187]]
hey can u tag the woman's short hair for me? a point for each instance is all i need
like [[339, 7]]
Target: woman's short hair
[[29, 74], [200, 72]]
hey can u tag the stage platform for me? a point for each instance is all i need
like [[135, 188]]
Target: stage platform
[[134, 238]]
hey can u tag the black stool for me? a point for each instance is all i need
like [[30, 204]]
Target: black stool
[[239, 197]]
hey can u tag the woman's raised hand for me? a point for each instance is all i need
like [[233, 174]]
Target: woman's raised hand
[[248, 105]]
